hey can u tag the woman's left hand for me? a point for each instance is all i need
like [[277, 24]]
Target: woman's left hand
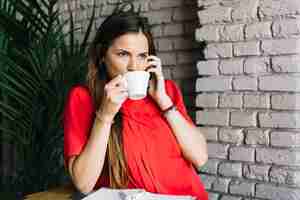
[[157, 84]]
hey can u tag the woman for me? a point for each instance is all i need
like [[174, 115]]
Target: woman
[[117, 142]]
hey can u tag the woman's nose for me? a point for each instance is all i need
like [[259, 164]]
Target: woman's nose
[[134, 65]]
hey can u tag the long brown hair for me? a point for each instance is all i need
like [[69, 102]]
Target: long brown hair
[[120, 22]]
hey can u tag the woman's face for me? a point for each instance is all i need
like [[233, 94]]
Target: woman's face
[[127, 53]]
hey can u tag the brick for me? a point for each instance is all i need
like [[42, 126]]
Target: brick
[[242, 154], [279, 120], [210, 167], [286, 28], [218, 50], [112, 1], [207, 180], [167, 73], [278, 156], [273, 192], [256, 172], [221, 184], [230, 169], [184, 72], [232, 66], [189, 28], [260, 30], [246, 48], [213, 84], [283, 83], [280, 46], [231, 100], [164, 44], [257, 101], [285, 101], [173, 30], [274, 9], [243, 118], [232, 32], [159, 16], [208, 33], [167, 58], [156, 30], [208, 67], [257, 65], [81, 15], [286, 64], [143, 6], [234, 136], [216, 150], [107, 10], [219, 118], [187, 57], [228, 197], [181, 43], [216, 14], [207, 3], [207, 100], [210, 133], [285, 139], [157, 4], [241, 188], [246, 11], [285, 176], [187, 13], [257, 137]]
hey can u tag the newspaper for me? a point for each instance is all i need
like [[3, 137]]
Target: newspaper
[[132, 194]]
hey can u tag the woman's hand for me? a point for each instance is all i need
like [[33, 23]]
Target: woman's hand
[[115, 93], [157, 84]]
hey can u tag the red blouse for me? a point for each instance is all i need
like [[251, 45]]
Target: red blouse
[[154, 158]]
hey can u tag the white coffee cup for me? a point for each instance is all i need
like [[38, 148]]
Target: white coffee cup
[[137, 84]]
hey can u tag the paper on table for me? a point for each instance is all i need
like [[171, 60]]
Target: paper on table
[[112, 194], [132, 194]]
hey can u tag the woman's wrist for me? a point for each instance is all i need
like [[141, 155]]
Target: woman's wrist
[[165, 103], [169, 110], [104, 118]]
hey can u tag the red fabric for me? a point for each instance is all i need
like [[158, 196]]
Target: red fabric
[[154, 158]]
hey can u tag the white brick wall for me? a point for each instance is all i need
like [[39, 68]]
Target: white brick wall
[[251, 75]]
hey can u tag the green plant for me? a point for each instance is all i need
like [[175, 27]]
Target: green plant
[[39, 64]]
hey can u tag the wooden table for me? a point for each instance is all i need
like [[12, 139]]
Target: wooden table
[[61, 193]]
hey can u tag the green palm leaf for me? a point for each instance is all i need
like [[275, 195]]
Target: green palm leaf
[[38, 67]]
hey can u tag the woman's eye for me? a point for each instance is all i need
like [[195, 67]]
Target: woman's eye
[[122, 54], [143, 56]]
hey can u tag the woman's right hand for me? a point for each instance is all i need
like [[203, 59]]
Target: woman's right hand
[[115, 93]]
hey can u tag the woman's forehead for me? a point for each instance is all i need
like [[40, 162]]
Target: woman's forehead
[[131, 42]]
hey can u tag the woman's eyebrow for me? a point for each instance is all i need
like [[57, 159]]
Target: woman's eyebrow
[[146, 52]]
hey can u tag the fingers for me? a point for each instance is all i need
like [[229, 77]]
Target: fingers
[[115, 81], [118, 95], [116, 89], [153, 64]]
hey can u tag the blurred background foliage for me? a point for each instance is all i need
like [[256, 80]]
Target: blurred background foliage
[[39, 62]]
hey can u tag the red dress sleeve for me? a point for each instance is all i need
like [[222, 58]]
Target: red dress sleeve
[[77, 120], [175, 94]]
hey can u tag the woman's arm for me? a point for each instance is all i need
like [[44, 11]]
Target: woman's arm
[[191, 140], [86, 168]]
